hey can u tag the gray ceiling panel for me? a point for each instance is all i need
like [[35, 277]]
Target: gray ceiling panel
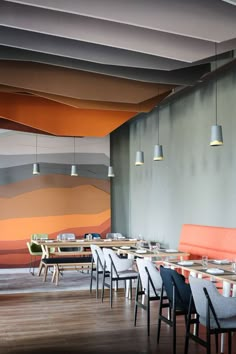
[[211, 20], [163, 44], [186, 76]]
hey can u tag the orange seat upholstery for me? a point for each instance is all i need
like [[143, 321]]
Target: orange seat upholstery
[[212, 241]]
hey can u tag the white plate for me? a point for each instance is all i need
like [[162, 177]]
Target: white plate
[[170, 250], [79, 240], [215, 271], [49, 240], [141, 251], [125, 247], [185, 263], [108, 240], [132, 239], [221, 261]]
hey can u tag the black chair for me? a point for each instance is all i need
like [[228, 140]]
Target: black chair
[[216, 313], [148, 285], [178, 294]]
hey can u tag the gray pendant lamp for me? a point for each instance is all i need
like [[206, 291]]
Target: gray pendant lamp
[[216, 130], [74, 172], [110, 172], [158, 150], [36, 168], [139, 160]]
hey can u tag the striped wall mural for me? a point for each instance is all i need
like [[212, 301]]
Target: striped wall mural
[[52, 202]]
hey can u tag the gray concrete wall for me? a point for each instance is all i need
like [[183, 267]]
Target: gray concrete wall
[[195, 183]]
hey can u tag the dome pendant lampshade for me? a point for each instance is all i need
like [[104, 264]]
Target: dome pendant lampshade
[[36, 169], [110, 172], [139, 161], [216, 135], [158, 153], [74, 172]]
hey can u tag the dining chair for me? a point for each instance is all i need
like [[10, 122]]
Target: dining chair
[[93, 234], [114, 235], [98, 261], [216, 313], [120, 269], [68, 237], [34, 251], [175, 298], [148, 288]]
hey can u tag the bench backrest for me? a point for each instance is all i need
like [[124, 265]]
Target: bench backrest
[[215, 242]]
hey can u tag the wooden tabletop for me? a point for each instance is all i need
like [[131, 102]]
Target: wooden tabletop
[[86, 243], [197, 268], [144, 252]]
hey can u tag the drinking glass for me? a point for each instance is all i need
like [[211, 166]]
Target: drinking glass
[[205, 261], [234, 266]]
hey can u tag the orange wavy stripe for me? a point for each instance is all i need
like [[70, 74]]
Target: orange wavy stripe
[[20, 229]]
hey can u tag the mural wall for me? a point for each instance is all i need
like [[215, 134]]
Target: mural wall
[[52, 202]]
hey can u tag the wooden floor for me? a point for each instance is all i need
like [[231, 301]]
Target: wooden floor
[[76, 322]]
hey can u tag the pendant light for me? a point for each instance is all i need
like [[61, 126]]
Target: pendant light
[[74, 172], [110, 172], [216, 130], [158, 150], [139, 161], [36, 168]]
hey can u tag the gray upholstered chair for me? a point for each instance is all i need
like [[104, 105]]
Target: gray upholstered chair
[[216, 312], [120, 269], [149, 285]]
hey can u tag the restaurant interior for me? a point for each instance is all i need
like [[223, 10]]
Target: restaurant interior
[[117, 120]]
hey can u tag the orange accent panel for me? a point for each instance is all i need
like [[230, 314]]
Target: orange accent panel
[[59, 119], [19, 229], [212, 241]]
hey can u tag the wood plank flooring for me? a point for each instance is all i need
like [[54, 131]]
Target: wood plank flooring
[[77, 322]]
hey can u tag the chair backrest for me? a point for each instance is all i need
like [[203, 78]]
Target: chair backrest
[[98, 256], [171, 278], [94, 235], [114, 235], [39, 237], [147, 272], [201, 302], [119, 264], [66, 236], [34, 250]]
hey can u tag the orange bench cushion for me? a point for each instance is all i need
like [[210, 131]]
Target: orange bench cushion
[[212, 241]]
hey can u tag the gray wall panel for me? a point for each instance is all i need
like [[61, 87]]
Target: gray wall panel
[[195, 183]]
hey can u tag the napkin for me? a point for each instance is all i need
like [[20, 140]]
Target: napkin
[[215, 271], [185, 263]]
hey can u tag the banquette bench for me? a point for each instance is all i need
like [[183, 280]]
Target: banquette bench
[[212, 241]]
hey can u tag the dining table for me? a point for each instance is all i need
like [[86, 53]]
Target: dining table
[[51, 246], [159, 254]]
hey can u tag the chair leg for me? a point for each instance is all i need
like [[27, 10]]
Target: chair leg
[[148, 316], [174, 332], [97, 282], [111, 291], [229, 343], [91, 279], [216, 342], [103, 284], [31, 267], [136, 302]]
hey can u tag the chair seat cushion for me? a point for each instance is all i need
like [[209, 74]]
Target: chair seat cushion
[[128, 273]]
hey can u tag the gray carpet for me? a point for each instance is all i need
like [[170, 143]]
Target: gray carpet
[[12, 282]]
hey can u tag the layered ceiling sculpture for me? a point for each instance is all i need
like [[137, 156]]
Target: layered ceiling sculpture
[[85, 67]]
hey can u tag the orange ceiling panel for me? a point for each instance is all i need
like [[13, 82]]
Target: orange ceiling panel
[[59, 119]]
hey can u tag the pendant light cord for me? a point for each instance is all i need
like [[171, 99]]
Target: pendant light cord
[[74, 150], [158, 117], [216, 88]]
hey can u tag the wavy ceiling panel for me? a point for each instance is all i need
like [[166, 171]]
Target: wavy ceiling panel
[[59, 119], [91, 65]]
